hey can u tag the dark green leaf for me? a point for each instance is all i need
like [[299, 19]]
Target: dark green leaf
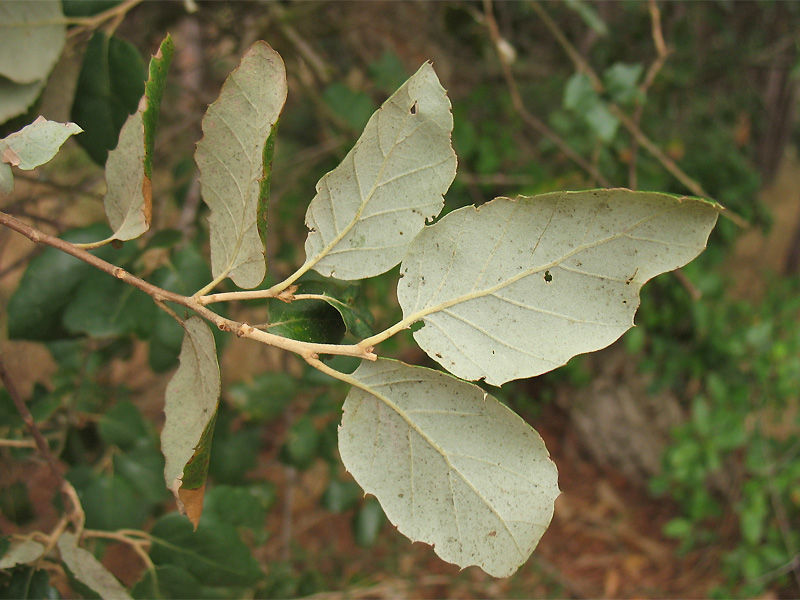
[[186, 273], [112, 503], [214, 554], [9, 415], [15, 503], [123, 426], [368, 522], [105, 307], [27, 583], [235, 451], [341, 495], [388, 72], [235, 506], [110, 84], [264, 185], [307, 321], [345, 297], [354, 108], [264, 398], [154, 90], [50, 282], [302, 444], [87, 8], [168, 582], [143, 468], [196, 470], [164, 238]]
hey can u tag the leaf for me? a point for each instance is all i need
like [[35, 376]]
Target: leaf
[[589, 15], [104, 307], [262, 209], [450, 465], [27, 582], [369, 208], [22, 552], [36, 309], [235, 506], [230, 157], [602, 121], [579, 94], [345, 298], [621, 81], [129, 200], [353, 107], [6, 179], [214, 554], [112, 503], [187, 272], [32, 35], [191, 403], [516, 288], [265, 397], [368, 522], [110, 85], [87, 8], [302, 444], [15, 98], [35, 144], [193, 485], [123, 426], [307, 321], [87, 569]]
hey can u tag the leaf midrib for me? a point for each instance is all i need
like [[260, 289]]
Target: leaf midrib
[[421, 313]]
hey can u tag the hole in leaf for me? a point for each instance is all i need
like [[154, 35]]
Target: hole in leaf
[[417, 326], [413, 109], [547, 277]]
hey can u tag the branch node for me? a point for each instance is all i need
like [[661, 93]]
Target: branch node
[[287, 295]]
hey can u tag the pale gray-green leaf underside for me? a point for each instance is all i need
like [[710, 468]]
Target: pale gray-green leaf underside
[[516, 288], [191, 399], [88, 570], [32, 34], [230, 159], [369, 208], [36, 143], [125, 201], [451, 466]]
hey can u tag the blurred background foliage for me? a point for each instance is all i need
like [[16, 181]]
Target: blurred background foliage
[[685, 432]]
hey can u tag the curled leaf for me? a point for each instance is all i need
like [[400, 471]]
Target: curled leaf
[[190, 406], [129, 199], [236, 130]]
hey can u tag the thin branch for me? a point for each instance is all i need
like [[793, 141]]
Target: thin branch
[[516, 99], [662, 52], [22, 408], [76, 514], [583, 66], [304, 49], [304, 349], [95, 20], [17, 443], [129, 537]]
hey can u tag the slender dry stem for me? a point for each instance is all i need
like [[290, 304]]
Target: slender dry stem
[[160, 295], [528, 117]]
